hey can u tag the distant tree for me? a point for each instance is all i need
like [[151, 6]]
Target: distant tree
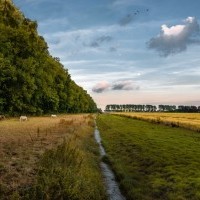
[[151, 108]]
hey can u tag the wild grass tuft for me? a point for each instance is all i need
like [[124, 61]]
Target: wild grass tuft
[[57, 174]]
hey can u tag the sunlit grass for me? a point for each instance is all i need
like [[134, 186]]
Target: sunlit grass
[[152, 161], [186, 120], [50, 158]]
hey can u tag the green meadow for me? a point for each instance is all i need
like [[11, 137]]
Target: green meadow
[[152, 161]]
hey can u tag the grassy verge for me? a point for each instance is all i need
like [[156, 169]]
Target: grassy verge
[[152, 161], [47, 158], [186, 120]]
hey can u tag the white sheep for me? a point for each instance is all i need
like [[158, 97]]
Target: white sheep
[[23, 118]]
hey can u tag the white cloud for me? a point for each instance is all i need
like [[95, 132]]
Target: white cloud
[[175, 39], [172, 31]]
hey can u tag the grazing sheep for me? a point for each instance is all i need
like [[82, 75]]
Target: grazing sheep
[[53, 116], [23, 118]]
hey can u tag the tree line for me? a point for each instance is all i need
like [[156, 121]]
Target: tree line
[[31, 80], [151, 108]]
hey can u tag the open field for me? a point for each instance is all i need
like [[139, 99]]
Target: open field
[[152, 161], [50, 158], [186, 120]]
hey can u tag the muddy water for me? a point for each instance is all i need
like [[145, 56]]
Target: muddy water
[[112, 187]]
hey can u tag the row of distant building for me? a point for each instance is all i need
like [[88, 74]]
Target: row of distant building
[[151, 108]]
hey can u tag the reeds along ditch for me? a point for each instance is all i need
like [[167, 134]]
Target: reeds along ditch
[[65, 174]]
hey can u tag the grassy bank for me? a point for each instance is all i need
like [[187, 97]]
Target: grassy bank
[[186, 120], [152, 161], [50, 158]]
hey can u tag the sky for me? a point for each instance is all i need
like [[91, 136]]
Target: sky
[[125, 51]]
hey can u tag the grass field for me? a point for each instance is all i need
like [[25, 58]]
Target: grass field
[[152, 161], [50, 158], [186, 120]]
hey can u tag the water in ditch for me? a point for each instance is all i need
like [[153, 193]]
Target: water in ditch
[[112, 187]]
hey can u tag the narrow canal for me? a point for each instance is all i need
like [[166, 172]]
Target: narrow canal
[[112, 186]]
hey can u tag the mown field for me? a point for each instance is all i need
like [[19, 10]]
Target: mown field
[[152, 161], [50, 158], [187, 120]]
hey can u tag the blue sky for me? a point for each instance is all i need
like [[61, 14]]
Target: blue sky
[[125, 51]]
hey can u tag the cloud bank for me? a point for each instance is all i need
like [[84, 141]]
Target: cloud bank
[[98, 41], [118, 85], [124, 85], [126, 20], [101, 87], [175, 39]]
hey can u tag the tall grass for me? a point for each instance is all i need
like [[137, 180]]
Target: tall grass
[[152, 161], [64, 173], [50, 159]]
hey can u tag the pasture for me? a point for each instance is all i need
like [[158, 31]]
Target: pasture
[[186, 120], [152, 161], [50, 158]]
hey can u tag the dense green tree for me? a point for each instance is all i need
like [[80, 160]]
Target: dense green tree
[[31, 80]]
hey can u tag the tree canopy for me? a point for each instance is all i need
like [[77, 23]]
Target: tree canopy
[[31, 80]]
